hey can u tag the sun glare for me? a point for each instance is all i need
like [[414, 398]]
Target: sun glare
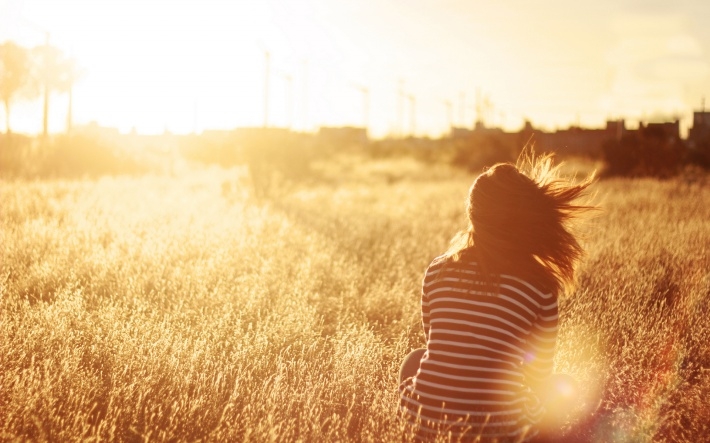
[[189, 66], [184, 66]]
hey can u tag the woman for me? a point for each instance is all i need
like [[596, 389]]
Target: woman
[[489, 309]]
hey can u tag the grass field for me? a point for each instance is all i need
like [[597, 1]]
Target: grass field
[[169, 308]]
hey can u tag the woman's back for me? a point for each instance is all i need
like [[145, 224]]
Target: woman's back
[[489, 308], [487, 343]]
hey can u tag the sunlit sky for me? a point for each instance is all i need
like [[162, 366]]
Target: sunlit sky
[[187, 66]]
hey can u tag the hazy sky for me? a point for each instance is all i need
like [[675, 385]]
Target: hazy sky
[[185, 65]]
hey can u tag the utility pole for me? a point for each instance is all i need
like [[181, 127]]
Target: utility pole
[[488, 107], [484, 109], [400, 108], [73, 71], [413, 113], [366, 108], [69, 109], [479, 108], [45, 110], [449, 114], [267, 75], [462, 109], [304, 102], [365, 105], [289, 100]]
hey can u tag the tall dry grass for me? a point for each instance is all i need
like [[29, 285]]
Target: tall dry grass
[[182, 309]]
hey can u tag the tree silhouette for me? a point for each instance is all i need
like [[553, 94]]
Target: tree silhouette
[[15, 76], [55, 72]]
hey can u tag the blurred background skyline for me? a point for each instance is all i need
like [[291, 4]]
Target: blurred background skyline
[[397, 67]]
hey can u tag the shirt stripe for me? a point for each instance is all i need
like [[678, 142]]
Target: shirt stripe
[[484, 349]]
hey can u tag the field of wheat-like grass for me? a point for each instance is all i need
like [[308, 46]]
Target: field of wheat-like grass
[[184, 309]]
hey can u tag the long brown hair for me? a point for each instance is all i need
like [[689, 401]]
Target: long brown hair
[[520, 219]]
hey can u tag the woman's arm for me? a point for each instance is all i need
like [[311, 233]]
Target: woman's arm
[[539, 360], [425, 315], [429, 277]]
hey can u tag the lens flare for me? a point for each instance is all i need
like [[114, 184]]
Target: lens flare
[[565, 386]]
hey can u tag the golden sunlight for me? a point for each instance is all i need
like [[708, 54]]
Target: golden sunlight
[[354, 221], [193, 66]]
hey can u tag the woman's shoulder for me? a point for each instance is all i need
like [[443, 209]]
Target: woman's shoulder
[[447, 263], [445, 260], [438, 261], [435, 268]]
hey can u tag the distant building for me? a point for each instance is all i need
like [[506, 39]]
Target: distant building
[[249, 134], [573, 140], [93, 129], [701, 118], [217, 134], [457, 132], [616, 127], [348, 135], [482, 132], [700, 131], [668, 130], [581, 141]]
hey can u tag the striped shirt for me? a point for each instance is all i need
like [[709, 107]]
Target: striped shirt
[[485, 351]]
